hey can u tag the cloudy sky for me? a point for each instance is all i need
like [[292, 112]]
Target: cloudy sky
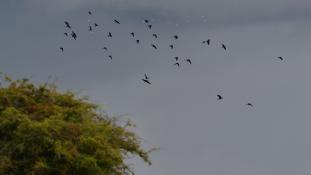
[[179, 112]]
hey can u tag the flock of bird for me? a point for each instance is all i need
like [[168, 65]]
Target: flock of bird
[[146, 79]]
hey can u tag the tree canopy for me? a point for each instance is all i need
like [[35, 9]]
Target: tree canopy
[[47, 132]]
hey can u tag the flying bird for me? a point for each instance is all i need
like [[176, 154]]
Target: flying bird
[[208, 41], [110, 56], [90, 28], [281, 58], [171, 46], [137, 41], [62, 49], [224, 46], [177, 64], [176, 58], [154, 46], [109, 34], [175, 36], [133, 34], [189, 61], [89, 12], [146, 21], [146, 81], [66, 34], [116, 21], [146, 77], [155, 35], [67, 24], [105, 48], [219, 97], [149, 26], [250, 104], [95, 25], [74, 35]]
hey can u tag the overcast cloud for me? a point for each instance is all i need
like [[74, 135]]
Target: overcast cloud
[[180, 112]]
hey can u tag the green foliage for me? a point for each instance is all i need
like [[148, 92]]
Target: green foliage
[[45, 132]]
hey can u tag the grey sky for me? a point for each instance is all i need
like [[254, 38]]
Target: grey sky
[[180, 113]]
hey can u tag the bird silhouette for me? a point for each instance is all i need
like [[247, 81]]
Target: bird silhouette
[[146, 81], [146, 77], [189, 61], [154, 46], [219, 97], [89, 12], [137, 41], [176, 58], [95, 25], [74, 35], [105, 48], [177, 64], [62, 49], [90, 28], [172, 46], [175, 36], [208, 42], [116, 21], [66, 34], [133, 34], [149, 26], [110, 56], [281, 58], [146, 21], [224, 46], [250, 104], [67, 24], [109, 34], [155, 35]]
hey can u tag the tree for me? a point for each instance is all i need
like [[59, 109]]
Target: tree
[[47, 132]]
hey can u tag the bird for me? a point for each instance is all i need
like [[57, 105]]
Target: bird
[[189, 61], [146, 77], [149, 26], [66, 34], [89, 12], [110, 56], [146, 81], [176, 58], [105, 48], [177, 64], [74, 35], [281, 58], [154, 46], [175, 36], [146, 21], [155, 35], [137, 41], [62, 49], [133, 34], [249, 104], [172, 46], [95, 25], [208, 41], [116, 21], [67, 24], [219, 97], [90, 28], [109, 34], [224, 46]]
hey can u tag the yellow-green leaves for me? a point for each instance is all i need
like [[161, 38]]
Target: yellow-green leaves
[[43, 131]]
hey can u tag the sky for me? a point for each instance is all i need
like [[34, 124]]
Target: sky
[[180, 113]]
